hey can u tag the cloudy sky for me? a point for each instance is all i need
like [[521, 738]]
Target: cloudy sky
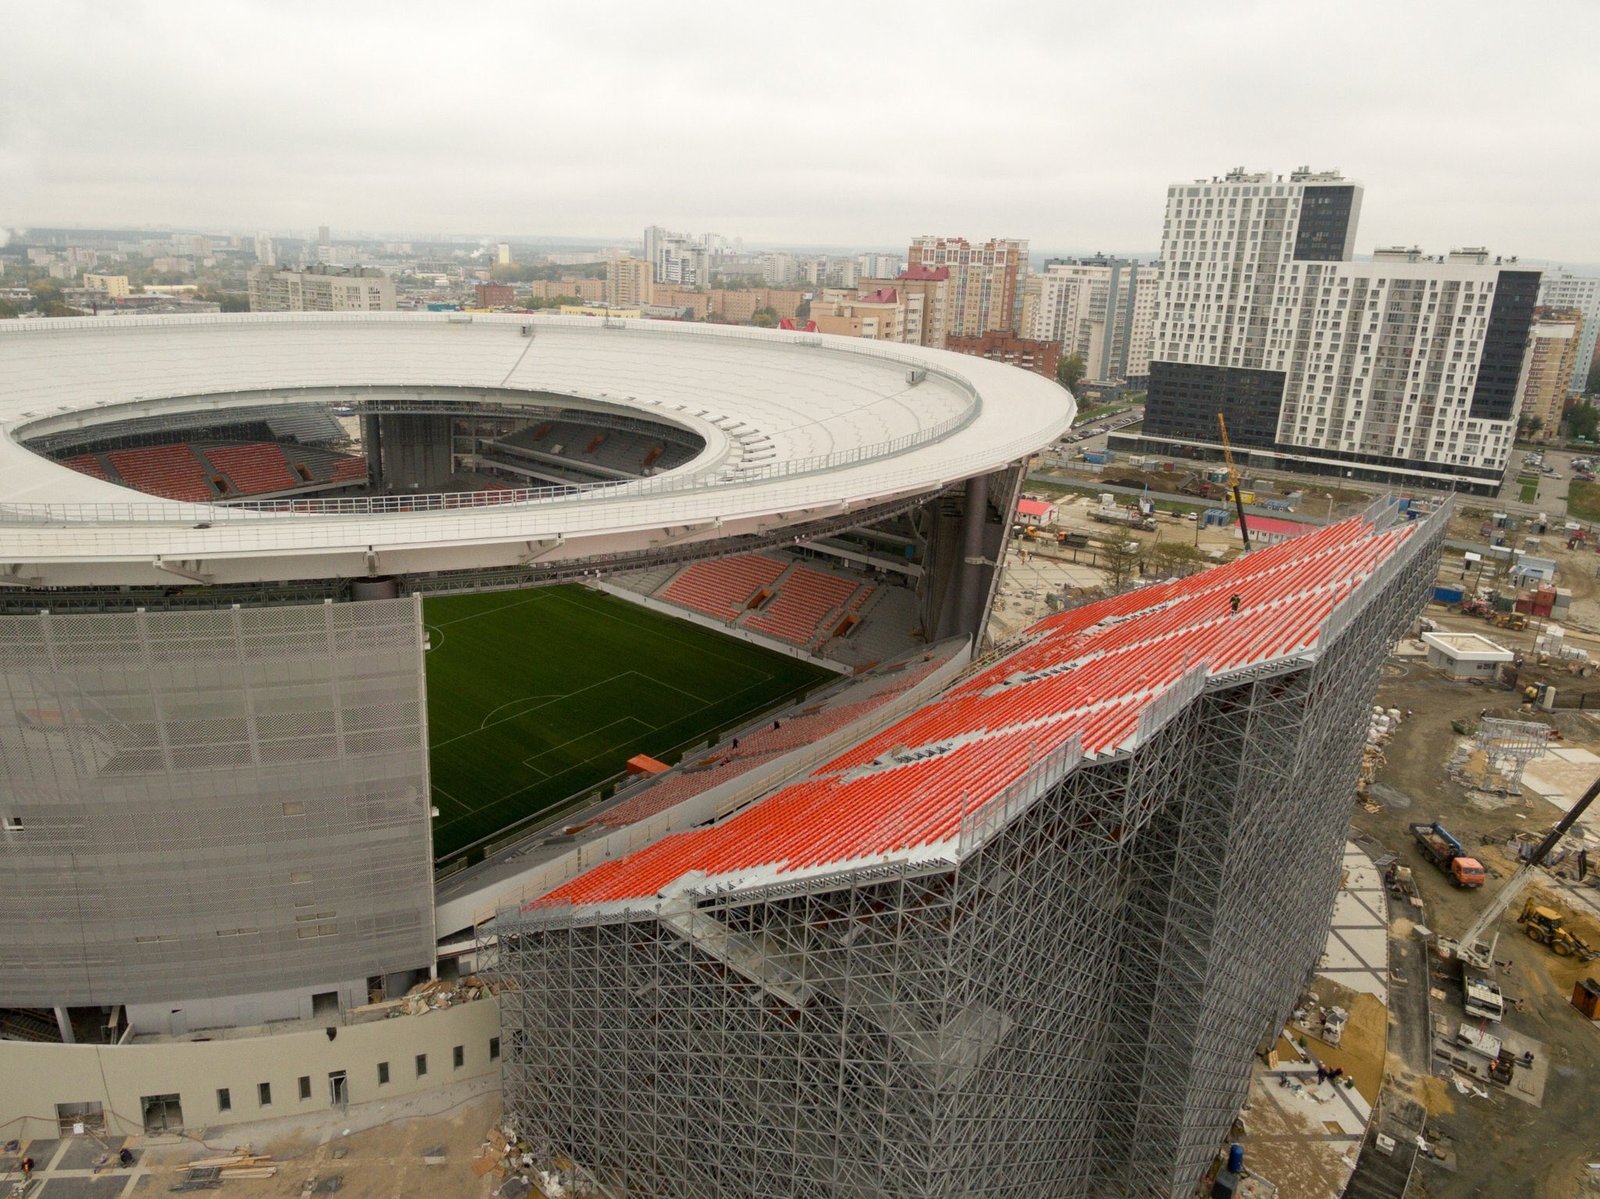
[[802, 124]]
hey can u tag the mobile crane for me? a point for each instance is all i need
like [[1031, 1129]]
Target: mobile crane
[[1471, 949], [1233, 481]]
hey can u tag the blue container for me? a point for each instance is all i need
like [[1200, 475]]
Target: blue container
[[1447, 595], [1235, 1158]]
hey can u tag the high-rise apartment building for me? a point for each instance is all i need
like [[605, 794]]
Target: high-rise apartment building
[[114, 286], [502, 254], [923, 296], [1406, 368], [321, 288], [1102, 309], [1556, 337], [985, 281], [264, 254], [1561, 289], [679, 259], [630, 282]]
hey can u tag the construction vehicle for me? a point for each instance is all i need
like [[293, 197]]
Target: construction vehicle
[[1470, 948], [1448, 854], [1233, 481], [1545, 926], [1515, 621], [1477, 607]]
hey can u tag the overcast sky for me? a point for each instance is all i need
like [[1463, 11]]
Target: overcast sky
[[852, 124]]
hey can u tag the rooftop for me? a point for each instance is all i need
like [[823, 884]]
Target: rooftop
[[1087, 683]]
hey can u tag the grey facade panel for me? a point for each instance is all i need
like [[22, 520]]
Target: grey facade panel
[[1069, 1008], [202, 804]]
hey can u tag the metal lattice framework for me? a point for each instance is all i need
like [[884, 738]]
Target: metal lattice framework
[[1509, 745], [1065, 1001]]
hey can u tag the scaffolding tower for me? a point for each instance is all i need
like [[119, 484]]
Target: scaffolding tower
[[1067, 1002]]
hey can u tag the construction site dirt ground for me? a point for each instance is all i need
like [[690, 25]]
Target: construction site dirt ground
[[1502, 1147], [383, 1161]]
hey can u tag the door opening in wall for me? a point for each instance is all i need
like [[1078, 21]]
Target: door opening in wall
[[338, 1093], [162, 1113]]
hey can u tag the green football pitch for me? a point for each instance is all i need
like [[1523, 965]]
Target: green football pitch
[[534, 696]]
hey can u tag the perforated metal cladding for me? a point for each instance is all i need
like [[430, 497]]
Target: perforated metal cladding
[[202, 804]]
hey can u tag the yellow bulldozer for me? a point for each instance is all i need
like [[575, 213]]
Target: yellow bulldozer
[[1545, 926]]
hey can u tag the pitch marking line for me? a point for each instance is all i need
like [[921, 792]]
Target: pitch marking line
[[532, 758]]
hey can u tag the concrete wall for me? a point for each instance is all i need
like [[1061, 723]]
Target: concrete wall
[[34, 1078]]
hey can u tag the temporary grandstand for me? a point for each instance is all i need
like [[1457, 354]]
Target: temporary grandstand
[[1023, 940]]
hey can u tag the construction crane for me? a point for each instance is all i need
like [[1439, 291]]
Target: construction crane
[[1471, 947], [1233, 482]]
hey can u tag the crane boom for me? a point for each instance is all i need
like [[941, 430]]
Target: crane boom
[[1233, 482], [1470, 947]]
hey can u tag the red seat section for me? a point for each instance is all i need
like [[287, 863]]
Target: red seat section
[[1089, 675], [350, 470], [257, 468], [170, 471], [804, 599], [723, 587], [87, 464]]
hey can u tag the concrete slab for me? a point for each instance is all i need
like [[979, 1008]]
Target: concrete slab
[[1302, 1135], [42, 1151], [104, 1186], [1561, 776], [82, 1153]]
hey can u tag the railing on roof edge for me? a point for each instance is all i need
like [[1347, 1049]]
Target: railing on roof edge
[[177, 512]]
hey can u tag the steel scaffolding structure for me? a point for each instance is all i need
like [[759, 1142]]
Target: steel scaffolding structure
[[1062, 998]]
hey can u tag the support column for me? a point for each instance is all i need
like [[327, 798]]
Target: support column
[[372, 444], [972, 559], [64, 1023]]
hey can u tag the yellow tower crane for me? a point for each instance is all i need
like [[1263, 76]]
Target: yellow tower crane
[[1233, 482]]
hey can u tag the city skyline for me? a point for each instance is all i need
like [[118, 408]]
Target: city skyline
[[221, 117]]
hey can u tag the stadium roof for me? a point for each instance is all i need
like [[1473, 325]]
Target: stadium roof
[[1088, 682], [797, 428]]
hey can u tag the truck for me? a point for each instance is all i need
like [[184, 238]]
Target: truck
[[1445, 852], [1129, 518]]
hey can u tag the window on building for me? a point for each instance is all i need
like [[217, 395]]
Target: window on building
[[383, 1074], [422, 1064], [305, 1086], [458, 1056], [264, 1093], [494, 1049], [224, 1100]]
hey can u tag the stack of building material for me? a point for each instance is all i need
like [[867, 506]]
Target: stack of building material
[[240, 1164]]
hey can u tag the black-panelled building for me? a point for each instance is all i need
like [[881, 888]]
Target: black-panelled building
[[1404, 369]]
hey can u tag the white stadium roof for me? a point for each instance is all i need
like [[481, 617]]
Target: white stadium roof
[[798, 428]]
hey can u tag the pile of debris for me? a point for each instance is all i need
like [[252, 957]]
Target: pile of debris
[[431, 995], [1380, 728], [521, 1170]]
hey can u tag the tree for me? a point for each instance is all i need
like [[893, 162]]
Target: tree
[[765, 318], [8, 310], [1176, 557], [1119, 560], [802, 310], [1582, 420], [1069, 371], [1592, 385]]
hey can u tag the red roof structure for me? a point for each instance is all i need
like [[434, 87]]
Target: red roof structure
[[884, 295], [931, 274], [1034, 509], [1085, 683]]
